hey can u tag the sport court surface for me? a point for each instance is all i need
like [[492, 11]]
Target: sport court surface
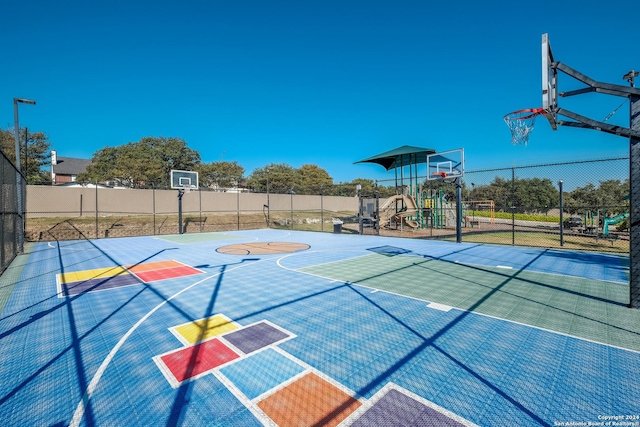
[[296, 328]]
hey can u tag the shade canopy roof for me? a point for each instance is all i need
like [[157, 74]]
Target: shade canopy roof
[[401, 156]]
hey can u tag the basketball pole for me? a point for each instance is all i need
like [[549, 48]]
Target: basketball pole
[[180, 194], [458, 185]]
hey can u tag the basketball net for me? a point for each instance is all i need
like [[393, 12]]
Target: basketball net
[[521, 124]]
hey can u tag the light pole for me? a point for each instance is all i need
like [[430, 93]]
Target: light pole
[[20, 233]]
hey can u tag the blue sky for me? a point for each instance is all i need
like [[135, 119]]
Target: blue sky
[[321, 82]]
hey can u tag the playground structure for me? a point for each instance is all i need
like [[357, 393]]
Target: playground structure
[[597, 222], [414, 206]]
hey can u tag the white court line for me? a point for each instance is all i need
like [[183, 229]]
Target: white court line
[[471, 311], [80, 409]]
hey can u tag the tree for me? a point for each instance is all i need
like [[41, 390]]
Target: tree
[[610, 195], [141, 164], [313, 179], [34, 155], [220, 175], [278, 177], [535, 195]]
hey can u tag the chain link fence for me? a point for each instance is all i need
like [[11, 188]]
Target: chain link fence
[[520, 205], [12, 218], [68, 213]]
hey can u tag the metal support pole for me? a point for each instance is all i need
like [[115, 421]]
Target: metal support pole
[[458, 210], [268, 204], [561, 213], [376, 214], [154, 208], [180, 194], [360, 212], [321, 212], [634, 200], [97, 213], [513, 207]]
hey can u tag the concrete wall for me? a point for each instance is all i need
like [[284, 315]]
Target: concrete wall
[[51, 201]]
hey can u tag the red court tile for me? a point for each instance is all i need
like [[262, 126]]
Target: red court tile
[[309, 401], [147, 266], [195, 360], [167, 273]]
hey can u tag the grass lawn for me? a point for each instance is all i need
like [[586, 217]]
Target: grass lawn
[[547, 240]]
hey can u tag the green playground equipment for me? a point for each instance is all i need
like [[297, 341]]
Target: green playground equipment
[[614, 220]]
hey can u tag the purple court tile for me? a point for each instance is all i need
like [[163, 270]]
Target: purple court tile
[[255, 337], [397, 409], [75, 288]]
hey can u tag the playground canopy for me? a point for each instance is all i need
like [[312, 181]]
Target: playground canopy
[[399, 157]]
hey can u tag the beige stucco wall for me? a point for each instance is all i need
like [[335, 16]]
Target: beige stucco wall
[[51, 201]]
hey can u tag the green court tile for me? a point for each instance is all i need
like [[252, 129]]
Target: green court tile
[[10, 276], [582, 307]]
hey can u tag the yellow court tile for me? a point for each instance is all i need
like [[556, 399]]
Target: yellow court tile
[[98, 273], [203, 329]]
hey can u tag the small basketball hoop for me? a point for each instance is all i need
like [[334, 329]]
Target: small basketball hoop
[[521, 124], [186, 188]]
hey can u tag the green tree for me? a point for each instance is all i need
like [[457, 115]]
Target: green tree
[[34, 155], [610, 195], [220, 174], [278, 177], [313, 179], [535, 195], [141, 164]]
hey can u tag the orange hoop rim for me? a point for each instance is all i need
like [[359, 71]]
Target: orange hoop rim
[[525, 114]]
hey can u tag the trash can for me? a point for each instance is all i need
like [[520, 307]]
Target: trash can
[[337, 226]]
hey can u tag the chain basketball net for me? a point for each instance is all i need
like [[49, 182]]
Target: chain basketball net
[[521, 124]]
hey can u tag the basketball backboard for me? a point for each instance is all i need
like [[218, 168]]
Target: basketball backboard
[[549, 83], [181, 179], [445, 165]]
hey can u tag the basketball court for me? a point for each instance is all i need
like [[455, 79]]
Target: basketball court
[[283, 328], [271, 327]]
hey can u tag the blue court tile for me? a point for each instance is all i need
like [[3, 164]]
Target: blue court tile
[[261, 372]]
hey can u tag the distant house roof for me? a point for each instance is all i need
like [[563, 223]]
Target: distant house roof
[[70, 166]]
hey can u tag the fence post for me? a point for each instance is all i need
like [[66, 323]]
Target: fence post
[[238, 204], [153, 189], [634, 198], [200, 201], [561, 216], [513, 207], [458, 185], [321, 212], [96, 184]]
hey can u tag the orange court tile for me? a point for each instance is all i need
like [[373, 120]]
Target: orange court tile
[[309, 401]]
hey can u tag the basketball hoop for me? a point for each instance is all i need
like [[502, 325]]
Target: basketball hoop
[[186, 188], [521, 124], [442, 175]]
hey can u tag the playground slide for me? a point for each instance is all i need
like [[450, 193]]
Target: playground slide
[[410, 223], [613, 221], [387, 210]]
